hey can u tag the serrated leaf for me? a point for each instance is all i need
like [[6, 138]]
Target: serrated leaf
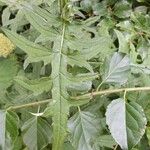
[[42, 20], [37, 86], [36, 133], [35, 52], [118, 69], [60, 106], [126, 121], [9, 127], [83, 127]]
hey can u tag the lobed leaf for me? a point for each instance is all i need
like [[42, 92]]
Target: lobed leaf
[[35, 52]]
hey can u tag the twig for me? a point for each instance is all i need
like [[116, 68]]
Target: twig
[[115, 148], [30, 104], [90, 95]]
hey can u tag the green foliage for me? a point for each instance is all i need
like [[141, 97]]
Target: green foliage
[[87, 125], [128, 126], [67, 52], [36, 133]]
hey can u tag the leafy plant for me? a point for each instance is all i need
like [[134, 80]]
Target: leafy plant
[[78, 78]]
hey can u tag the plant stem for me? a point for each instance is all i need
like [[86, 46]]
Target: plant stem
[[116, 147], [30, 104], [90, 95]]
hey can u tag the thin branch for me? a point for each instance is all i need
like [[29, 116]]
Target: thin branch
[[30, 104], [115, 148], [90, 95]]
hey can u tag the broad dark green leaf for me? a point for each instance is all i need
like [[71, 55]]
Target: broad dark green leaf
[[126, 121]]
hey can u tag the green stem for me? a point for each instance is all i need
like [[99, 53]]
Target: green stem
[[116, 147]]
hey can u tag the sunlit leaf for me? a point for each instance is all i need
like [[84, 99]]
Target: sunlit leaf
[[126, 121]]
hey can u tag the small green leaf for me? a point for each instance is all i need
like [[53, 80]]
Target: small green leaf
[[127, 122]]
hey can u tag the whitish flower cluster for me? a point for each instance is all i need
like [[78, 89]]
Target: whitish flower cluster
[[6, 46]]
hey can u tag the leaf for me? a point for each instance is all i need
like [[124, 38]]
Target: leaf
[[68, 146], [8, 69], [37, 86], [36, 133], [126, 121], [122, 9], [5, 16], [148, 134], [123, 42], [9, 126], [42, 20], [78, 60], [105, 141], [35, 52], [83, 127], [80, 87], [118, 69]]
